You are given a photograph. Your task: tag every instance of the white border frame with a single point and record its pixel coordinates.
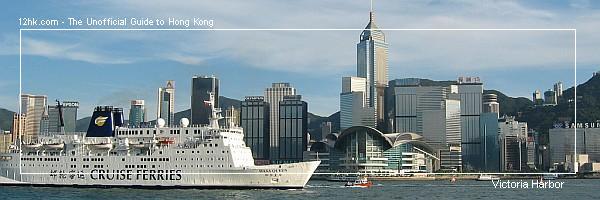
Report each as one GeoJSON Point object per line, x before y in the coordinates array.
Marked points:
{"type": "Point", "coordinates": [326, 29]}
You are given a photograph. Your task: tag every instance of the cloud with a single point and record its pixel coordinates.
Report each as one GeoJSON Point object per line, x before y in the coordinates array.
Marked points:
{"type": "Point", "coordinates": [334, 51]}
{"type": "Point", "coordinates": [184, 59]}
{"type": "Point", "coordinates": [579, 4]}
{"type": "Point", "coordinates": [38, 47]}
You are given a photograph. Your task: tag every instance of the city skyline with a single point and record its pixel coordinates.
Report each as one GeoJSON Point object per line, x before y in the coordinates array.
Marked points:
{"type": "Point", "coordinates": [407, 59]}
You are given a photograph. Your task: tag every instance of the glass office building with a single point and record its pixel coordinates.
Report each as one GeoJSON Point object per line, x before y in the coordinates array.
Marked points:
{"type": "Point", "coordinates": [202, 86]}
{"type": "Point", "coordinates": [254, 119]}
{"type": "Point", "coordinates": [293, 129]}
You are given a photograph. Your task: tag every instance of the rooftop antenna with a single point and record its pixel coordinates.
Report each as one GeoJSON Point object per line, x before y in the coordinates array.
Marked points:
{"type": "Point", "coordinates": [60, 116]}
{"type": "Point", "coordinates": [371, 6]}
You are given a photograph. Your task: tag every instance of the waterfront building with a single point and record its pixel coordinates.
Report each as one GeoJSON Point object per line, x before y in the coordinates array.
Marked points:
{"type": "Point", "coordinates": [33, 106]}
{"type": "Point", "coordinates": [69, 117]}
{"type": "Point", "coordinates": [367, 150]}
{"type": "Point", "coordinates": [273, 96]}
{"type": "Point", "coordinates": [166, 103]}
{"type": "Point", "coordinates": [470, 91]}
{"type": "Point", "coordinates": [354, 110]}
{"type": "Point", "coordinates": [562, 143]}
{"type": "Point", "coordinates": [137, 113]}
{"type": "Point", "coordinates": [531, 150]}
{"type": "Point", "coordinates": [293, 130]}
{"type": "Point", "coordinates": [490, 142]}
{"type": "Point", "coordinates": [432, 111]}
{"type": "Point", "coordinates": [513, 144]}
{"type": "Point", "coordinates": [372, 64]}
{"type": "Point", "coordinates": [550, 98]}
{"type": "Point", "coordinates": [254, 119]}
{"type": "Point", "coordinates": [450, 159]}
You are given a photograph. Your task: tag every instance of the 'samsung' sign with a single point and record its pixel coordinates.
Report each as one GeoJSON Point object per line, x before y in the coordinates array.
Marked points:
{"type": "Point", "coordinates": [567, 124]}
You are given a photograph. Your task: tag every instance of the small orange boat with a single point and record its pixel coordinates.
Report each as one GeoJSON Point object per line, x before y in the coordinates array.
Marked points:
{"type": "Point", "coordinates": [361, 182]}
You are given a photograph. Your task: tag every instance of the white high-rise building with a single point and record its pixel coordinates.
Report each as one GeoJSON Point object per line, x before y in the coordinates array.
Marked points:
{"type": "Point", "coordinates": [33, 106]}
{"type": "Point", "coordinates": [354, 110]}
{"type": "Point", "coordinates": [166, 103]}
{"type": "Point", "coordinates": [490, 104]}
{"type": "Point", "coordinates": [558, 88]}
{"type": "Point", "coordinates": [273, 96]}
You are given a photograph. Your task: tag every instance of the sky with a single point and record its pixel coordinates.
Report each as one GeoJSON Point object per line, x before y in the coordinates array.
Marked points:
{"type": "Point", "coordinates": [114, 67]}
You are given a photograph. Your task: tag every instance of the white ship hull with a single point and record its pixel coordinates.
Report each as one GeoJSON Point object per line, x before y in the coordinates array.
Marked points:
{"type": "Point", "coordinates": [283, 176]}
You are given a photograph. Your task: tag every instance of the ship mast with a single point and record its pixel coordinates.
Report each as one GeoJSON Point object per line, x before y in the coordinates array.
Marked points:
{"type": "Point", "coordinates": [215, 112]}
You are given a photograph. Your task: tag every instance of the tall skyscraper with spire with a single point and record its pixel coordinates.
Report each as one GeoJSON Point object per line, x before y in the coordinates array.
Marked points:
{"type": "Point", "coordinates": [372, 64]}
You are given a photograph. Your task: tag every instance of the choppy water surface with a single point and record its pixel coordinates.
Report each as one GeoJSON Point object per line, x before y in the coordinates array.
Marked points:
{"type": "Point", "coordinates": [572, 189]}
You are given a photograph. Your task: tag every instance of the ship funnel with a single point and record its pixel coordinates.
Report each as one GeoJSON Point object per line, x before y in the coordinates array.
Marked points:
{"type": "Point", "coordinates": [102, 123]}
{"type": "Point", "coordinates": [118, 116]}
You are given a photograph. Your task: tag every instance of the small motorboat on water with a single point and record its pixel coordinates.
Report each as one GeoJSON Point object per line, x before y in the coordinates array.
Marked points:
{"type": "Point", "coordinates": [485, 177]}
{"type": "Point", "coordinates": [361, 182]}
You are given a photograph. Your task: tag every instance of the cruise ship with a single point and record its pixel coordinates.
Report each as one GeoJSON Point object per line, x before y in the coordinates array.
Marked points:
{"type": "Point", "coordinates": [183, 156]}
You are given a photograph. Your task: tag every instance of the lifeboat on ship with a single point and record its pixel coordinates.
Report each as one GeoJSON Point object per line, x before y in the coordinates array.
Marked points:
{"type": "Point", "coordinates": [139, 145]}
{"type": "Point", "coordinates": [55, 145]}
{"type": "Point", "coordinates": [166, 141]}
{"type": "Point", "coordinates": [32, 145]}
{"type": "Point", "coordinates": [102, 145]}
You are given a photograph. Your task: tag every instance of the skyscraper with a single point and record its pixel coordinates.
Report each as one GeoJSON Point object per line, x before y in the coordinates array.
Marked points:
{"type": "Point", "coordinates": [490, 104]}
{"type": "Point", "coordinates": [202, 86]}
{"type": "Point", "coordinates": [273, 96]}
{"type": "Point", "coordinates": [293, 129]}
{"type": "Point", "coordinates": [430, 111]}
{"type": "Point", "coordinates": [513, 144]}
{"type": "Point", "coordinates": [558, 88]}
{"type": "Point", "coordinates": [537, 99]}
{"type": "Point", "coordinates": [354, 110]}
{"type": "Point", "coordinates": [69, 116]}
{"type": "Point", "coordinates": [137, 113]}
{"type": "Point", "coordinates": [254, 119]}
{"type": "Point", "coordinates": [18, 126]}
{"type": "Point", "coordinates": [166, 103]}
{"type": "Point", "coordinates": [325, 130]}
{"type": "Point", "coordinates": [33, 106]}
{"type": "Point", "coordinates": [372, 64]}
{"type": "Point", "coordinates": [550, 98]}
{"type": "Point", "coordinates": [470, 91]}
{"type": "Point", "coordinates": [490, 142]}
